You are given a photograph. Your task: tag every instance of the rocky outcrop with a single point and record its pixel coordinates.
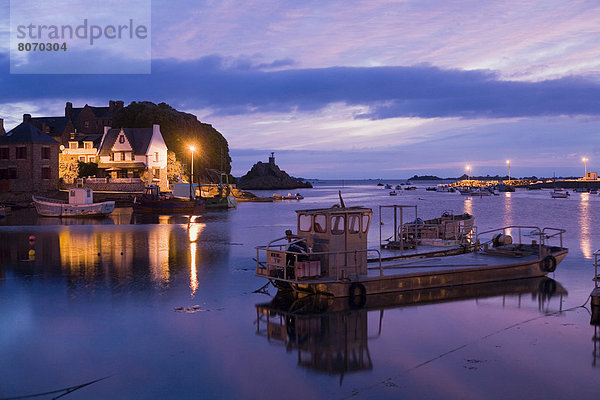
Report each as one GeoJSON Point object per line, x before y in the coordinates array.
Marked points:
{"type": "Point", "coordinates": [268, 176]}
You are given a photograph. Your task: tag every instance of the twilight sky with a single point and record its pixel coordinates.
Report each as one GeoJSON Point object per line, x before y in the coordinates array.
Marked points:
{"type": "Point", "coordinates": [361, 89]}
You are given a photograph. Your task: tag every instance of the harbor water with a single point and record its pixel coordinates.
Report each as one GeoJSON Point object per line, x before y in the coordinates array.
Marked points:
{"type": "Point", "coordinates": [168, 307]}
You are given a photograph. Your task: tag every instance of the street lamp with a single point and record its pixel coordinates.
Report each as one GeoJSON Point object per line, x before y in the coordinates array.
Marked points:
{"type": "Point", "coordinates": [584, 159]}
{"type": "Point", "coordinates": [508, 162]}
{"type": "Point", "coordinates": [192, 149]}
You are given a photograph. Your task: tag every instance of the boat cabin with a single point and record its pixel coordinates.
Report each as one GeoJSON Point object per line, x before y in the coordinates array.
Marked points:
{"type": "Point", "coordinates": [337, 237]}
{"type": "Point", "coordinates": [78, 196]}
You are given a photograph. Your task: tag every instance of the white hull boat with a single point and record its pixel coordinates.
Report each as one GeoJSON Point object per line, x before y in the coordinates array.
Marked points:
{"type": "Point", "coordinates": [80, 205]}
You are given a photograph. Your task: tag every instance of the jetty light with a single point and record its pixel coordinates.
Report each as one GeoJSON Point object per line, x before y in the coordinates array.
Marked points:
{"type": "Point", "coordinates": [469, 171]}
{"type": "Point", "coordinates": [585, 160]}
{"type": "Point", "coordinates": [508, 162]}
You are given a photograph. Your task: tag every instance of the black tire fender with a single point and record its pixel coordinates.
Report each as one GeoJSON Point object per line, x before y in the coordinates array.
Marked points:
{"type": "Point", "coordinates": [548, 264]}
{"type": "Point", "coordinates": [357, 295]}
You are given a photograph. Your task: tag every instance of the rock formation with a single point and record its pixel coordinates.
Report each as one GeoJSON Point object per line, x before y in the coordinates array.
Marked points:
{"type": "Point", "coordinates": [268, 176]}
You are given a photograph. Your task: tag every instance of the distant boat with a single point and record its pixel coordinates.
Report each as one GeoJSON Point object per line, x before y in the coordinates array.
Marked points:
{"type": "Point", "coordinates": [289, 196]}
{"type": "Point", "coordinates": [431, 189]}
{"type": "Point", "coordinates": [380, 184]}
{"type": "Point", "coordinates": [393, 193]}
{"type": "Point", "coordinates": [398, 187]}
{"type": "Point", "coordinates": [81, 204]}
{"type": "Point", "coordinates": [410, 188]}
{"type": "Point", "coordinates": [559, 194]}
{"type": "Point", "coordinates": [581, 190]}
{"type": "Point", "coordinates": [388, 186]}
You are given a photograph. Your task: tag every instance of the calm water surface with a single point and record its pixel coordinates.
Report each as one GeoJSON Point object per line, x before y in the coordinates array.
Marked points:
{"type": "Point", "coordinates": [164, 309]}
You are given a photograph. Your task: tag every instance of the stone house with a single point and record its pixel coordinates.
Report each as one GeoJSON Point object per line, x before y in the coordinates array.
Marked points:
{"type": "Point", "coordinates": [84, 148]}
{"type": "Point", "coordinates": [92, 120]}
{"type": "Point", "coordinates": [130, 154]}
{"type": "Point", "coordinates": [28, 159]}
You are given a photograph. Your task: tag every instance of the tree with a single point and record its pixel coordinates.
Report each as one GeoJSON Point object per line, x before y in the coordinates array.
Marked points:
{"type": "Point", "coordinates": [173, 167]}
{"type": "Point", "coordinates": [87, 169]}
{"type": "Point", "coordinates": [68, 168]}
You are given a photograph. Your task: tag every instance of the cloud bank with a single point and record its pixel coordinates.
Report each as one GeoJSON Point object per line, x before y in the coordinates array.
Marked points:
{"type": "Point", "coordinates": [234, 86]}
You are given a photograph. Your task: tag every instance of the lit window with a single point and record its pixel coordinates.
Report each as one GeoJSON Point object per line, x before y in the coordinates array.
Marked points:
{"type": "Point", "coordinates": [156, 156]}
{"type": "Point", "coordinates": [87, 145]}
{"type": "Point", "coordinates": [72, 145]}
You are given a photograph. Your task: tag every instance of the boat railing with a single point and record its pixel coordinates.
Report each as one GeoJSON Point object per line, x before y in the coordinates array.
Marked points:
{"type": "Point", "coordinates": [339, 270]}
{"type": "Point", "coordinates": [447, 230]}
{"type": "Point", "coordinates": [543, 235]}
{"type": "Point", "coordinates": [596, 264]}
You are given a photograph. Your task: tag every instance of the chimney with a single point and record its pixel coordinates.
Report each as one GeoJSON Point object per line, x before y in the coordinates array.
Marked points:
{"type": "Point", "coordinates": [68, 109]}
{"type": "Point", "coordinates": [26, 117]}
{"type": "Point", "coordinates": [2, 131]}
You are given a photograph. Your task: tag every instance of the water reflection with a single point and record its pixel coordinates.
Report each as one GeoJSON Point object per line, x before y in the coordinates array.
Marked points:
{"type": "Point", "coordinates": [508, 209]}
{"type": "Point", "coordinates": [468, 205]}
{"type": "Point", "coordinates": [330, 336]}
{"type": "Point", "coordinates": [117, 255]}
{"type": "Point", "coordinates": [584, 223]}
{"type": "Point", "coordinates": [194, 229]}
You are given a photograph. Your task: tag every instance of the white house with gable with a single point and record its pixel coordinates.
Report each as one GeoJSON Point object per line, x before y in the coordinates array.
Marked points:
{"type": "Point", "coordinates": [128, 153]}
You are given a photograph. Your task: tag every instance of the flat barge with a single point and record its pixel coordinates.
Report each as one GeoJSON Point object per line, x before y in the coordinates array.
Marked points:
{"type": "Point", "coordinates": [328, 255]}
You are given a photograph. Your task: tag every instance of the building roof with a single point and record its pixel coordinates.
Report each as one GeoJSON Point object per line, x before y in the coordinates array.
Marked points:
{"type": "Point", "coordinates": [139, 138]}
{"type": "Point", "coordinates": [57, 125]}
{"type": "Point", "coordinates": [26, 132]}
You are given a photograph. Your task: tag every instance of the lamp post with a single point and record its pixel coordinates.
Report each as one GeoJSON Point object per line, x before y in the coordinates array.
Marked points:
{"type": "Point", "coordinates": [508, 162]}
{"type": "Point", "coordinates": [192, 149]}
{"type": "Point", "coordinates": [584, 159]}
{"type": "Point", "coordinates": [469, 171]}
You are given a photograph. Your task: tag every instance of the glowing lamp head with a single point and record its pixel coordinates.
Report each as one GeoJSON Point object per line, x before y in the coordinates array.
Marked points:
{"type": "Point", "coordinates": [192, 148]}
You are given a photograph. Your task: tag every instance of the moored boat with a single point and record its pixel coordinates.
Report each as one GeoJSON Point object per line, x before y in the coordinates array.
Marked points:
{"type": "Point", "coordinates": [155, 202]}
{"type": "Point", "coordinates": [288, 196]}
{"type": "Point", "coordinates": [393, 193]}
{"type": "Point", "coordinates": [328, 255]}
{"type": "Point", "coordinates": [559, 194]}
{"type": "Point", "coordinates": [81, 204]}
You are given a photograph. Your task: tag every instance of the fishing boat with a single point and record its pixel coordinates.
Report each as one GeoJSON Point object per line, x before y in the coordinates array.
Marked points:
{"type": "Point", "coordinates": [153, 201]}
{"type": "Point", "coordinates": [288, 196]}
{"type": "Point", "coordinates": [80, 204]}
{"type": "Point", "coordinates": [328, 255]}
{"type": "Point", "coordinates": [387, 186]}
